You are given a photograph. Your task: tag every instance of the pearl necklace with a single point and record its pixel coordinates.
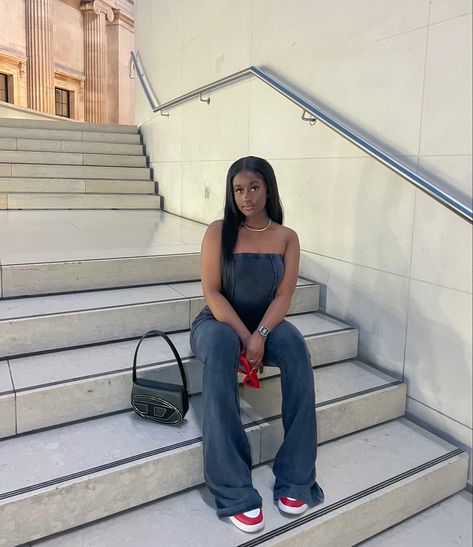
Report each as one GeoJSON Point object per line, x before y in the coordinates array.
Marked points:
{"type": "Point", "coordinates": [257, 229]}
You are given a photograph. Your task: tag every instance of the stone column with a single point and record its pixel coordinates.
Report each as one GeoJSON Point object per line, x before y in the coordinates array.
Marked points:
{"type": "Point", "coordinates": [95, 59]}
{"type": "Point", "coordinates": [40, 57]}
{"type": "Point", "coordinates": [120, 101]}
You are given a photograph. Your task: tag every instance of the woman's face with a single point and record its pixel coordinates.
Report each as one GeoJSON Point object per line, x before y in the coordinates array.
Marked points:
{"type": "Point", "coordinates": [250, 193]}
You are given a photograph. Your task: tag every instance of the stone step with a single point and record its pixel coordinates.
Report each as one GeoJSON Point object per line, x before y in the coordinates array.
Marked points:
{"type": "Point", "coordinates": [134, 461]}
{"type": "Point", "coordinates": [52, 145]}
{"type": "Point", "coordinates": [447, 523]}
{"type": "Point", "coordinates": [54, 125]}
{"type": "Point", "coordinates": [64, 386]}
{"type": "Point", "coordinates": [372, 480]}
{"type": "Point", "coordinates": [71, 158]}
{"type": "Point", "coordinates": [33, 278]}
{"type": "Point", "coordinates": [42, 323]}
{"type": "Point", "coordinates": [68, 135]}
{"type": "Point", "coordinates": [51, 251]}
{"type": "Point", "coordinates": [43, 185]}
{"type": "Point", "coordinates": [80, 201]}
{"type": "Point", "coordinates": [74, 171]}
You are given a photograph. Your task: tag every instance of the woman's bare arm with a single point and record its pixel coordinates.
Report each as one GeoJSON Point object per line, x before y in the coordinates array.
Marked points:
{"type": "Point", "coordinates": [210, 271]}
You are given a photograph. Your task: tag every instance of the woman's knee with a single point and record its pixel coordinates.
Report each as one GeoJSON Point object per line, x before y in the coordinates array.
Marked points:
{"type": "Point", "coordinates": [213, 340]}
{"type": "Point", "coordinates": [287, 341]}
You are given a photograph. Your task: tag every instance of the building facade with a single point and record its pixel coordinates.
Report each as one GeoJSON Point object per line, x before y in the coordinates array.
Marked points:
{"type": "Point", "coordinates": [68, 58]}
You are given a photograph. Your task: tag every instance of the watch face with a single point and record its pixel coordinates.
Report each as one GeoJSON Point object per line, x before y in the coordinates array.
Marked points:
{"type": "Point", "coordinates": [264, 331]}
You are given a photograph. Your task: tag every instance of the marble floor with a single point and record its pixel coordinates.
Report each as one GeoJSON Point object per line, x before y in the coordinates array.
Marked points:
{"type": "Point", "coordinates": [52, 236]}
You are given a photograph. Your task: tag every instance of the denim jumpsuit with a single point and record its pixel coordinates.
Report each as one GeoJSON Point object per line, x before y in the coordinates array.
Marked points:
{"type": "Point", "coordinates": [254, 279]}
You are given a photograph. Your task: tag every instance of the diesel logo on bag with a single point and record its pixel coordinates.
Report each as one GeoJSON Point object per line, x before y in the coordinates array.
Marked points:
{"type": "Point", "coordinates": [160, 401]}
{"type": "Point", "coordinates": [154, 407]}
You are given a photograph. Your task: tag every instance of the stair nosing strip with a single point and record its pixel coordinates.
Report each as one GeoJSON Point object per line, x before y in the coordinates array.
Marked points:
{"type": "Point", "coordinates": [129, 338]}
{"type": "Point", "coordinates": [80, 260]}
{"type": "Point", "coordinates": [119, 306]}
{"type": "Point", "coordinates": [66, 179]}
{"type": "Point", "coordinates": [120, 462]}
{"type": "Point", "coordinates": [140, 367]}
{"type": "Point", "coordinates": [387, 385]}
{"type": "Point", "coordinates": [80, 346]}
{"type": "Point", "coordinates": [55, 130]}
{"type": "Point", "coordinates": [79, 195]}
{"type": "Point", "coordinates": [99, 468]}
{"type": "Point", "coordinates": [68, 312]}
{"type": "Point", "coordinates": [57, 426]}
{"type": "Point", "coordinates": [103, 374]}
{"type": "Point", "coordinates": [114, 288]}
{"type": "Point", "coordinates": [70, 152]}
{"type": "Point", "coordinates": [75, 152]}
{"type": "Point", "coordinates": [349, 499]}
{"type": "Point", "coordinates": [144, 367]}
{"type": "Point", "coordinates": [12, 163]}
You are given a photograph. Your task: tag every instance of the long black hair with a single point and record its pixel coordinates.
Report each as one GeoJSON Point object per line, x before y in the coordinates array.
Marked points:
{"type": "Point", "coordinates": [233, 216]}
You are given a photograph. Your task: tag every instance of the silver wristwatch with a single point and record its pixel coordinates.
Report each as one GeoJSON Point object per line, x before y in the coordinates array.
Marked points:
{"type": "Point", "coordinates": [264, 331]}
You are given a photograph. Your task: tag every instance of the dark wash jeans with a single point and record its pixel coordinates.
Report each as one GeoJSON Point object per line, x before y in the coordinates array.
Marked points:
{"type": "Point", "coordinates": [227, 457]}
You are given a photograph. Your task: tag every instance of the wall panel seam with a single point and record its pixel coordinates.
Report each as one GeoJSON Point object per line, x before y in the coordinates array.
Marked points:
{"type": "Point", "coordinates": [439, 412]}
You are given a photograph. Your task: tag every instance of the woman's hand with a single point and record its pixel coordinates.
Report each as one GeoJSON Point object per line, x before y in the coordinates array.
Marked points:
{"type": "Point", "coordinates": [254, 351]}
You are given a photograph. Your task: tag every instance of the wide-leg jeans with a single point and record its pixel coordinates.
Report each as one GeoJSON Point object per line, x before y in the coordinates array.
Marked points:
{"type": "Point", "coordinates": [227, 456]}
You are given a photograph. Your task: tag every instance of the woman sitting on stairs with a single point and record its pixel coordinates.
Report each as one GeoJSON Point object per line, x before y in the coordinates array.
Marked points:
{"type": "Point", "coordinates": [249, 269]}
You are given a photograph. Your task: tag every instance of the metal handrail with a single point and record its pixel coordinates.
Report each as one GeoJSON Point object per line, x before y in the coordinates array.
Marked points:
{"type": "Point", "coordinates": [315, 113]}
{"type": "Point", "coordinates": [134, 61]}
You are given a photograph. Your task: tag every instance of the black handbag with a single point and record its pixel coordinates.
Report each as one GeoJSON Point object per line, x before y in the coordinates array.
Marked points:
{"type": "Point", "coordinates": [160, 401]}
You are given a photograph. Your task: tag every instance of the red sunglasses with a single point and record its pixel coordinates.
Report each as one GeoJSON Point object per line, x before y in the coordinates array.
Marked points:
{"type": "Point", "coordinates": [251, 376]}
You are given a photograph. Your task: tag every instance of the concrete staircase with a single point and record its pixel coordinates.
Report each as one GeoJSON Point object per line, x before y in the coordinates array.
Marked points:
{"type": "Point", "coordinates": [77, 465]}
{"type": "Point", "coordinates": [71, 165]}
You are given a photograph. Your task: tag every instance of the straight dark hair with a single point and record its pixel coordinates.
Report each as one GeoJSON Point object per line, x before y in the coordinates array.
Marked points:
{"type": "Point", "coordinates": [233, 217]}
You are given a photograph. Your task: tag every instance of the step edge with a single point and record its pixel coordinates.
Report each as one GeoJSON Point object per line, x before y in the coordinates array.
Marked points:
{"type": "Point", "coordinates": [143, 367]}
{"type": "Point", "coordinates": [143, 456]}
{"type": "Point", "coordinates": [413, 474]}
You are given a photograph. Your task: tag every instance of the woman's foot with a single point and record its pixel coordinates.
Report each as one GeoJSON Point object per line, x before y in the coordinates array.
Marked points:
{"type": "Point", "coordinates": [292, 506]}
{"type": "Point", "coordinates": [250, 521]}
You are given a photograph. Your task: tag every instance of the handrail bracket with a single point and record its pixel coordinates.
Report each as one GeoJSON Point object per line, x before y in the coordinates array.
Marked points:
{"type": "Point", "coordinates": [311, 119]}
{"type": "Point", "coordinates": [207, 100]}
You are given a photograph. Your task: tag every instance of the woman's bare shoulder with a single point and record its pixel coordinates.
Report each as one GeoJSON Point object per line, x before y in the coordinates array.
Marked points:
{"type": "Point", "coordinates": [285, 229]}
{"type": "Point", "coordinates": [286, 232]}
{"type": "Point", "coordinates": [216, 225]}
{"type": "Point", "coordinates": [214, 230]}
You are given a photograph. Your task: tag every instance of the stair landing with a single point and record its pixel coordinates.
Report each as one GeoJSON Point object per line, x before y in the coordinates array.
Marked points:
{"type": "Point", "coordinates": [61, 251]}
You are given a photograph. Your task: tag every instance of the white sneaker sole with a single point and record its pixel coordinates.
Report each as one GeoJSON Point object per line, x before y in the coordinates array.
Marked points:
{"type": "Point", "coordinates": [292, 510]}
{"type": "Point", "coordinates": [247, 527]}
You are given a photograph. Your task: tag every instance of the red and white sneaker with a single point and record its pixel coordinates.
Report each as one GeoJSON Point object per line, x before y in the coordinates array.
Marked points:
{"type": "Point", "coordinates": [251, 521]}
{"type": "Point", "coordinates": [292, 506]}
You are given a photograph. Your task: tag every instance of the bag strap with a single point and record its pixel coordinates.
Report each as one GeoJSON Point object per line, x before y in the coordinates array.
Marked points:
{"type": "Point", "coordinates": [173, 348]}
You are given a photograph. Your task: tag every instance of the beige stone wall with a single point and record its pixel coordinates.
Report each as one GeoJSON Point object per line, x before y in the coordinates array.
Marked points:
{"type": "Point", "coordinates": [121, 37]}
{"type": "Point", "coordinates": [127, 92]}
{"type": "Point", "coordinates": [13, 48]}
{"type": "Point", "coordinates": [67, 57]}
{"type": "Point", "coordinates": [68, 28]}
{"type": "Point", "coordinates": [12, 26]}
